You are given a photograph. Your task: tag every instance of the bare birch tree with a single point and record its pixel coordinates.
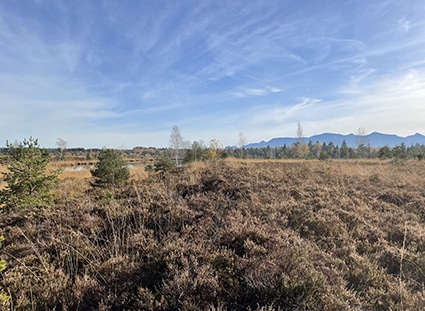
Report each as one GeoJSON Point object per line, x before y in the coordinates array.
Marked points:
{"type": "Point", "coordinates": [242, 143]}
{"type": "Point", "coordinates": [197, 147]}
{"type": "Point", "coordinates": [300, 148]}
{"type": "Point", "coordinates": [361, 140]}
{"type": "Point", "coordinates": [176, 143]}
{"type": "Point", "coordinates": [62, 145]}
{"type": "Point", "coordinates": [300, 134]}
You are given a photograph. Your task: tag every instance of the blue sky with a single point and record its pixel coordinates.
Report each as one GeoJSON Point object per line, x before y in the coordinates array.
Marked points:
{"type": "Point", "coordinates": [121, 73]}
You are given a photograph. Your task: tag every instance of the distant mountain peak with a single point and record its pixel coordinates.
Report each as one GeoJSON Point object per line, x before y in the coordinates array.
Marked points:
{"type": "Point", "coordinates": [375, 139]}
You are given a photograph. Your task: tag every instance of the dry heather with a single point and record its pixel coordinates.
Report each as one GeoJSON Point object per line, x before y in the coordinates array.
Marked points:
{"type": "Point", "coordinates": [229, 236]}
{"type": "Point", "coordinates": [2, 170]}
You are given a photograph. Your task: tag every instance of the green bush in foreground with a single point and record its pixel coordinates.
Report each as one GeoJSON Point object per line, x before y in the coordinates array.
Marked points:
{"type": "Point", "coordinates": [28, 182]}
{"type": "Point", "coordinates": [111, 170]}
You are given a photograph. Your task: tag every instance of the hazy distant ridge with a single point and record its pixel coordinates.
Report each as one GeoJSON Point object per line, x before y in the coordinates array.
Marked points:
{"type": "Point", "coordinates": [375, 139]}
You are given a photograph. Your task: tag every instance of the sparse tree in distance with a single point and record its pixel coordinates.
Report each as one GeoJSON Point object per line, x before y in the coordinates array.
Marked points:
{"type": "Point", "coordinates": [216, 150]}
{"type": "Point", "coordinates": [62, 145]}
{"type": "Point", "coordinates": [197, 147]}
{"type": "Point", "coordinates": [300, 134]}
{"type": "Point", "coordinates": [28, 182]}
{"type": "Point", "coordinates": [111, 170]}
{"type": "Point", "coordinates": [323, 156]}
{"type": "Point", "coordinates": [242, 143]}
{"type": "Point", "coordinates": [300, 149]}
{"type": "Point", "coordinates": [187, 147]}
{"type": "Point", "coordinates": [385, 152]}
{"type": "Point", "coordinates": [317, 149]}
{"type": "Point", "coordinates": [195, 152]}
{"type": "Point", "coordinates": [361, 141]}
{"type": "Point", "coordinates": [176, 143]}
{"type": "Point", "coordinates": [400, 152]}
{"type": "Point", "coordinates": [344, 153]}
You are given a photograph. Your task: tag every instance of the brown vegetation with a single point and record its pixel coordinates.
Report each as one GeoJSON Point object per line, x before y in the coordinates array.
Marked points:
{"type": "Point", "coordinates": [259, 235]}
{"type": "Point", "coordinates": [2, 170]}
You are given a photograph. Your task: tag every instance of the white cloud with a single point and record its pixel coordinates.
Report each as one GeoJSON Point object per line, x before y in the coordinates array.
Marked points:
{"type": "Point", "coordinates": [404, 25]}
{"type": "Point", "coordinates": [120, 69]}
{"type": "Point", "coordinates": [390, 104]}
{"type": "Point", "coordinates": [353, 86]}
{"type": "Point", "coordinates": [323, 52]}
{"type": "Point", "coordinates": [266, 116]}
{"type": "Point", "coordinates": [245, 92]}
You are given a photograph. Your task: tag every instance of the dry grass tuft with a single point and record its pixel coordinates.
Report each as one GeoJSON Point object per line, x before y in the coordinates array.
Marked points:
{"type": "Point", "coordinates": [3, 169]}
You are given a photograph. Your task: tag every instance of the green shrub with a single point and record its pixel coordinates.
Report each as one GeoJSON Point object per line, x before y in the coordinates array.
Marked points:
{"type": "Point", "coordinates": [323, 156]}
{"type": "Point", "coordinates": [164, 164]}
{"type": "Point", "coordinates": [28, 182]}
{"type": "Point", "coordinates": [111, 170]}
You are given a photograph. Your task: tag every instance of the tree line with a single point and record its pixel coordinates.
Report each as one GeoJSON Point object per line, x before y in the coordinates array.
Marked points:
{"type": "Point", "coordinates": [181, 151]}
{"type": "Point", "coordinates": [323, 151]}
{"type": "Point", "coordinates": [185, 152]}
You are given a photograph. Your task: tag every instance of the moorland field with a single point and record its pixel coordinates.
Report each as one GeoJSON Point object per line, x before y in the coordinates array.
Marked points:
{"type": "Point", "coordinates": [226, 235]}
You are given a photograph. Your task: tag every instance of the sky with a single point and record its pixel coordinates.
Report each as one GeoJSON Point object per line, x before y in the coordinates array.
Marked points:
{"type": "Point", "coordinates": [122, 73]}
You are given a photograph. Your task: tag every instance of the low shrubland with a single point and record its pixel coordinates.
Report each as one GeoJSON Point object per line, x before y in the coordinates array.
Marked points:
{"type": "Point", "coordinates": [247, 235]}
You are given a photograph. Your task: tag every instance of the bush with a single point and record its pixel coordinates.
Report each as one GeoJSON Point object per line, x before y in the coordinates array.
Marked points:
{"type": "Point", "coordinates": [28, 182]}
{"type": "Point", "coordinates": [323, 156]}
{"type": "Point", "coordinates": [111, 170]}
{"type": "Point", "coordinates": [164, 164]}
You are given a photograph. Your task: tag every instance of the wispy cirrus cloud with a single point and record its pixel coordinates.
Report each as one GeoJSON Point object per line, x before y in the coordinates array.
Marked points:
{"type": "Point", "coordinates": [404, 24]}
{"type": "Point", "coordinates": [122, 71]}
{"type": "Point", "coordinates": [245, 92]}
{"type": "Point", "coordinates": [353, 86]}
{"type": "Point", "coordinates": [377, 108]}
{"type": "Point", "coordinates": [279, 114]}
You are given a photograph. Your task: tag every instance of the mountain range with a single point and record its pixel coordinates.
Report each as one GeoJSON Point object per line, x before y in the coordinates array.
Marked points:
{"type": "Point", "coordinates": [375, 139]}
